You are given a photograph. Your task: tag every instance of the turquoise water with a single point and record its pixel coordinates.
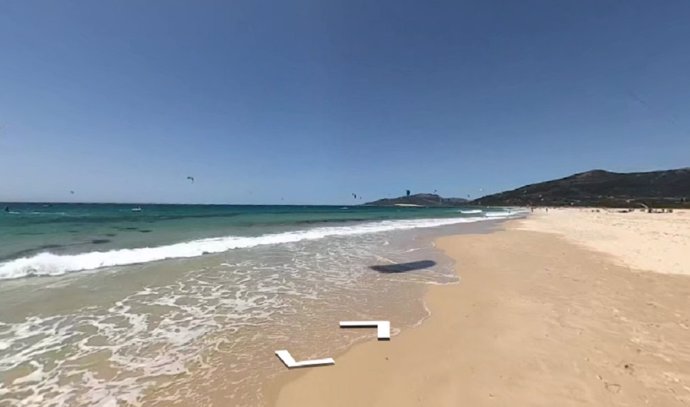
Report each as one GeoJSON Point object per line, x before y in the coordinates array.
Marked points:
{"type": "Point", "coordinates": [177, 305]}
{"type": "Point", "coordinates": [29, 230]}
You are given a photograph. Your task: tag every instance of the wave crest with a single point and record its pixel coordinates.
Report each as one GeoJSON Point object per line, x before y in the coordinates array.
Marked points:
{"type": "Point", "coordinates": [49, 264]}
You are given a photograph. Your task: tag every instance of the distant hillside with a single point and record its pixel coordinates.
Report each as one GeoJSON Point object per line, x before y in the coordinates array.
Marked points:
{"type": "Point", "coordinates": [669, 188]}
{"type": "Point", "coordinates": [419, 200]}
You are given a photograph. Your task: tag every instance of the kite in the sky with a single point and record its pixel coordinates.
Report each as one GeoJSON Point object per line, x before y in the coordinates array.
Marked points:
{"type": "Point", "coordinates": [354, 195]}
{"type": "Point", "coordinates": [191, 179]}
{"type": "Point", "coordinates": [71, 192]}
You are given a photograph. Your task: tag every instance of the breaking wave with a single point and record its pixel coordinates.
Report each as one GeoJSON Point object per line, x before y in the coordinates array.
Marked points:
{"type": "Point", "coordinates": [49, 264]}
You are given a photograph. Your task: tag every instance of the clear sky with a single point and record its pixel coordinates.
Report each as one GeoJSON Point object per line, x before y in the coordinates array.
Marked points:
{"type": "Point", "coordinates": [312, 100]}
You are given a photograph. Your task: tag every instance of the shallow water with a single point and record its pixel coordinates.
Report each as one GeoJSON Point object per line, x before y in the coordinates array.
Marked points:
{"type": "Point", "coordinates": [202, 330]}
{"type": "Point", "coordinates": [54, 239]}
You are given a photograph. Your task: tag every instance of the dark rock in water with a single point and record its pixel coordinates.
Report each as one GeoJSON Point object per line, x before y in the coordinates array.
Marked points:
{"type": "Point", "coordinates": [145, 230]}
{"type": "Point", "coordinates": [100, 241]}
{"type": "Point", "coordinates": [669, 188]}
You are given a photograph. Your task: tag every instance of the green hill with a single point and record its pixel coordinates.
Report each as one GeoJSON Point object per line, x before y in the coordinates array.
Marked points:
{"type": "Point", "coordinates": [670, 188]}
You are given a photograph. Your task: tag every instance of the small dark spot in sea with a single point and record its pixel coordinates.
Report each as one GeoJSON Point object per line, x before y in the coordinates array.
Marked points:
{"type": "Point", "coordinates": [50, 246]}
{"type": "Point", "coordinates": [145, 230]}
{"type": "Point", "coordinates": [100, 241]}
{"type": "Point", "coordinates": [110, 234]}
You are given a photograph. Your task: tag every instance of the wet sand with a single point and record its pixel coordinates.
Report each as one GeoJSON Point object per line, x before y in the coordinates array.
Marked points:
{"type": "Point", "coordinates": [537, 320]}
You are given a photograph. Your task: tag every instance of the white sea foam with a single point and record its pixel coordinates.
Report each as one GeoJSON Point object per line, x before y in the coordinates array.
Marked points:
{"type": "Point", "coordinates": [49, 264]}
{"type": "Point", "coordinates": [505, 214]}
{"type": "Point", "coordinates": [469, 211]}
{"type": "Point", "coordinates": [210, 327]}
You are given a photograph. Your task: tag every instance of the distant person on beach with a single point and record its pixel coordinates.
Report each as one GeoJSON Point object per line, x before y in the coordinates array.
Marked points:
{"type": "Point", "coordinates": [7, 208]}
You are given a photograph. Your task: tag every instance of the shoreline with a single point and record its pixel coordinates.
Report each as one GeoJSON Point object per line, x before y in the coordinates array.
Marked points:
{"type": "Point", "coordinates": [536, 320]}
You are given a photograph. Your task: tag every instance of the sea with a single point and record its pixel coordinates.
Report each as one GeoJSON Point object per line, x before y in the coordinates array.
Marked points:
{"type": "Point", "coordinates": [184, 305]}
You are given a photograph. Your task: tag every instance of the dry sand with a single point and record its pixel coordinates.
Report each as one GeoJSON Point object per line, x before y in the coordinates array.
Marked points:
{"type": "Point", "coordinates": [535, 321]}
{"type": "Point", "coordinates": [657, 242]}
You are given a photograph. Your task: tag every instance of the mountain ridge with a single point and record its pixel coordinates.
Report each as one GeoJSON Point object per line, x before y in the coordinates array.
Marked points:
{"type": "Point", "coordinates": [422, 199]}
{"type": "Point", "coordinates": [665, 188]}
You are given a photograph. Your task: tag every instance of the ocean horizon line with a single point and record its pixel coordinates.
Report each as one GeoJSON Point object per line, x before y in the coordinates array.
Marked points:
{"type": "Point", "coordinates": [193, 204]}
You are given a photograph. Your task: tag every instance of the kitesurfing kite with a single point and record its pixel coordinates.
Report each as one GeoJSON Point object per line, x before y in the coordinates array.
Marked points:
{"type": "Point", "coordinates": [408, 192]}
{"type": "Point", "coordinates": [191, 179]}
{"type": "Point", "coordinates": [354, 195]}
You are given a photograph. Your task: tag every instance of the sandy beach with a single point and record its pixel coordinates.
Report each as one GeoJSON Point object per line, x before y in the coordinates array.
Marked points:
{"type": "Point", "coordinates": [570, 307]}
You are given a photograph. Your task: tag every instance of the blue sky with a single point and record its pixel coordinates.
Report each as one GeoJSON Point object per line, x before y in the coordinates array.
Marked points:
{"type": "Point", "coordinates": [313, 100]}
